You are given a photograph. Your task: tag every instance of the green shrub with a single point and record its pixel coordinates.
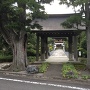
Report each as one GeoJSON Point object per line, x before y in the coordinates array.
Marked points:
{"type": "Point", "coordinates": [69, 71]}
{"type": "Point", "coordinates": [43, 67]}
{"type": "Point", "coordinates": [8, 58]}
{"type": "Point", "coordinates": [83, 52]}
{"type": "Point", "coordinates": [85, 77]}
{"type": "Point", "coordinates": [32, 59]}
{"type": "Point", "coordinates": [31, 52]}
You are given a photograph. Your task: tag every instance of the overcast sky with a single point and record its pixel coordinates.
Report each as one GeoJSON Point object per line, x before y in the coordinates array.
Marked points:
{"type": "Point", "coordinates": [55, 8]}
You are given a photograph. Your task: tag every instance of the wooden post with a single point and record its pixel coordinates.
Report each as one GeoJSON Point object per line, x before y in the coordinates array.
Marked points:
{"type": "Point", "coordinates": [46, 48]}
{"type": "Point", "coordinates": [37, 48]}
{"type": "Point", "coordinates": [42, 49]}
{"type": "Point", "coordinates": [75, 48]}
{"type": "Point", "coordinates": [70, 47]}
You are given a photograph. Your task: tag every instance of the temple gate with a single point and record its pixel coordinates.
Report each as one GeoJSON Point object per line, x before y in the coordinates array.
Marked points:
{"type": "Point", "coordinates": [52, 28]}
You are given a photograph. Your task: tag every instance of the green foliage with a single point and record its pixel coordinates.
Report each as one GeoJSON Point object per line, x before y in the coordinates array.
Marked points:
{"type": "Point", "coordinates": [82, 44]}
{"type": "Point", "coordinates": [6, 58]}
{"type": "Point", "coordinates": [50, 40]}
{"type": "Point", "coordinates": [77, 20]}
{"type": "Point", "coordinates": [15, 22]}
{"type": "Point", "coordinates": [81, 10]}
{"type": "Point", "coordinates": [79, 66]}
{"type": "Point", "coordinates": [74, 3]}
{"type": "Point", "coordinates": [66, 44]}
{"type": "Point", "coordinates": [4, 47]}
{"type": "Point", "coordinates": [82, 40]}
{"type": "Point", "coordinates": [83, 60]}
{"type": "Point", "coordinates": [31, 52]}
{"type": "Point", "coordinates": [45, 1]}
{"type": "Point", "coordinates": [83, 52]}
{"type": "Point", "coordinates": [31, 47]}
{"type": "Point", "coordinates": [37, 9]}
{"type": "Point", "coordinates": [15, 18]}
{"type": "Point", "coordinates": [85, 77]}
{"type": "Point", "coordinates": [43, 67]}
{"type": "Point", "coordinates": [72, 21]}
{"type": "Point", "coordinates": [50, 47]}
{"type": "Point", "coordinates": [50, 43]}
{"type": "Point", "coordinates": [31, 59]}
{"type": "Point", "coordinates": [69, 71]}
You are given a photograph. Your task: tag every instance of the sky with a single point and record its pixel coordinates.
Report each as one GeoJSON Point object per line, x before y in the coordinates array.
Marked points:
{"type": "Point", "coordinates": [55, 8]}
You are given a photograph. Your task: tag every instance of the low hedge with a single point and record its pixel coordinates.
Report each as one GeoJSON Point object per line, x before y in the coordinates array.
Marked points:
{"type": "Point", "coordinates": [6, 58]}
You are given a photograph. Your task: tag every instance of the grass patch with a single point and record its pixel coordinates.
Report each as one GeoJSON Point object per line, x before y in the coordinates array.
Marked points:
{"type": "Point", "coordinates": [85, 77]}
{"type": "Point", "coordinates": [69, 71]}
{"type": "Point", "coordinates": [74, 70]}
{"type": "Point", "coordinates": [43, 67]}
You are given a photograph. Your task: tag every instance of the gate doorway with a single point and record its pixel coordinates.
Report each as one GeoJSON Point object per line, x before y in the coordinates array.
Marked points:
{"type": "Point", "coordinates": [52, 28]}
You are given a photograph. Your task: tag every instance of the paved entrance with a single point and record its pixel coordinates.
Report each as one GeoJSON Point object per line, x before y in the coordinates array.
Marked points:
{"type": "Point", "coordinates": [58, 56]}
{"type": "Point", "coordinates": [56, 59]}
{"type": "Point", "coordinates": [54, 71]}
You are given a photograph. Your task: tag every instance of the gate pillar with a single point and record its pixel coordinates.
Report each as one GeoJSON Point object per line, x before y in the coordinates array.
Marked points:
{"type": "Point", "coordinates": [75, 48]}
{"type": "Point", "coordinates": [42, 48]}
{"type": "Point", "coordinates": [70, 47]}
{"type": "Point", "coordinates": [37, 48]}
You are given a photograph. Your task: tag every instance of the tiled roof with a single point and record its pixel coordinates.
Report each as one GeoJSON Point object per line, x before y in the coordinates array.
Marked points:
{"type": "Point", "coordinates": [54, 22]}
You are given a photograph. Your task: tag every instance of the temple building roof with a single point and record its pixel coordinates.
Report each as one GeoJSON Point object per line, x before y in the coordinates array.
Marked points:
{"type": "Point", "coordinates": [53, 22]}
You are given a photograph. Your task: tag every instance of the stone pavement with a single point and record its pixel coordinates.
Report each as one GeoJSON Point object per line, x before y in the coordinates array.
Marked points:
{"type": "Point", "coordinates": [58, 56]}
{"type": "Point", "coordinates": [56, 59]}
{"type": "Point", "coordinates": [53, 71]}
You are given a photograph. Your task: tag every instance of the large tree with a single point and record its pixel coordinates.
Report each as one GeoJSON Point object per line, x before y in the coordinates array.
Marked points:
{"type": "Point", "coordinates": [14, 24]}
{"type": "Point", "coordinates": [83, 16]}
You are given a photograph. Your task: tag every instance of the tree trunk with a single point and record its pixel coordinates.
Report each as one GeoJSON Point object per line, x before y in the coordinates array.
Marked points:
{"type": "Point", "coordinates": [16, 38]}
{"type": "Point", "coordinates": [87, 16]}
{"type": "Point", "coordinates": [19, 54]}
{"type": "Point", "coordinates": [88, 48]}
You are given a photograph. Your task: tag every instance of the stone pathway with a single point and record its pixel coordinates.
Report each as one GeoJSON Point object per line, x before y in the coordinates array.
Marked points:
{"type": "Point", "coordinates": [58, 56]}
{"type": "Point", "coordinates": [54, 71]}
{"type": "Point", "coordinates": [56, 59]}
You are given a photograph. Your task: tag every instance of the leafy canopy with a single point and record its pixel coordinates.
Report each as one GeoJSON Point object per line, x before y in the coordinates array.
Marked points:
{"type": "Point", "coordinates": [12, 10]}
{"type": "Point", "coordinates": [76, 19]}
